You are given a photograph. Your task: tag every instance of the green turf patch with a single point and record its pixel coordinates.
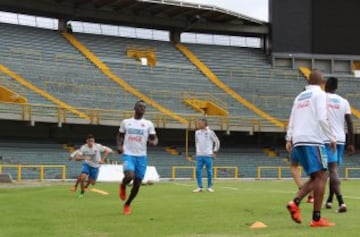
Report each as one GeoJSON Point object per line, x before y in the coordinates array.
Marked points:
{"type": "Point", "coordinates": [169, 209]}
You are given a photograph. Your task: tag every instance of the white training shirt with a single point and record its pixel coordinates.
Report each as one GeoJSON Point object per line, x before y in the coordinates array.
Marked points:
{"type": "Point", "coordinates": [308, 123]}
{"type": "Point", "coordinates": [136, 132]}
{"type": "Point", "coordinates": [206, 142]}
{"type": "Point", "coordinates": [94, 153]}
{"type": "Point", "coordinates": [338, 107]}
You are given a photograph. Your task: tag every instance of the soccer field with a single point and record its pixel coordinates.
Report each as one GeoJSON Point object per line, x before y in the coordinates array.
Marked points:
{"type": "Point", "coordinates": [168, 209]}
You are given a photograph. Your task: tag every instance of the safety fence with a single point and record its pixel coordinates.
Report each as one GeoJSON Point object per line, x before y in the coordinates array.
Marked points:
{"type": "Point", "coordinates": [38, 168]}
{"type": "Point", "coordinates": [231, 171]}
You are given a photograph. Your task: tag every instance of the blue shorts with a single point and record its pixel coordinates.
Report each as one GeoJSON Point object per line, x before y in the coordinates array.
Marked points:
{"type": "Point", "coordinates": [91, 171]}
{"type": "Point", "coordinates": [336, 156]}
{"type": "Point", "coordinates": [311, 158]}
{"type": "Point", "coordinates": [136, 164]}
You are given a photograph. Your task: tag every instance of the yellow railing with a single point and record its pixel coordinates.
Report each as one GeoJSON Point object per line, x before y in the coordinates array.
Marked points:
{"type": "Point", "coordinates": [278, 168]}
{"type": "Point", "coordinates": [213, 78]}
{"type": "Point", "coordinates": [305, 71]}
{"type": "Point", "coordinates": [193, 169]}
{"type": "Point", "coordinates": [347, 171]}
{"type": "Point", "coordinates": [8, 95]}
{"type": "Point", "coordinates": [174, 168]}
{"type": "Point", "coordinates": [52, 113]}
{"type": "Point", "coordinates": [41, 168]}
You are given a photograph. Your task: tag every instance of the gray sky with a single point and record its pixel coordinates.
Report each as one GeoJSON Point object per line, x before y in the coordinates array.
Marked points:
{"type": "Point", "coordinates": [254, 8]}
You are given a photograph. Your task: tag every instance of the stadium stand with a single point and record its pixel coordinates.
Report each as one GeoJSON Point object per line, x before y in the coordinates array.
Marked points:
{"type": "Point", "coordinates": [31, 96]}
{"type": "Point", "coordinates": [349, 88]}
{"type": "Point", "coordinates": [249, 73]}
{"type": "Point", "coordinates": [173, 70]}
{"type": "Point", "coordinates": [47, 60]}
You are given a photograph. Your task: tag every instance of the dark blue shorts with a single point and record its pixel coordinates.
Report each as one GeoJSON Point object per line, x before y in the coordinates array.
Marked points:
{"type": "Point", "coordinates": [136, 164]}
{"type": "Point", "coordinates": [90, 171]}
{"type": "Point", "coordinates": [311, 158]}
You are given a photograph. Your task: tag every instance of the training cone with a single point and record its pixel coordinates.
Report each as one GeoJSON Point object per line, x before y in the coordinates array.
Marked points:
{"type": "Point", "coordinates": [257, 225]}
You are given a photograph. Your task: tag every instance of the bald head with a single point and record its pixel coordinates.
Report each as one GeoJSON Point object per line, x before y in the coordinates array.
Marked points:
{"type": "Point", "coordinates": [316, 78]}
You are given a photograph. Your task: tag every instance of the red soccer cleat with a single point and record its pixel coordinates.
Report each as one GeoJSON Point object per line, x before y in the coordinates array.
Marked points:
{"type": "Point", "coordinates": [321, 223]}
{"type": "Point", "coordinates": [127, 210]}
{"type": "Point", "coordinates": [122, 192]}
{"type": "Point", "coordinates": [294, 211]}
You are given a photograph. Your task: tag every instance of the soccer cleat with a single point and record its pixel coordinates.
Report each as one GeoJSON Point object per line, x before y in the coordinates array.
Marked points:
{"type": "Point", "coordinates": [122, 192]}
{"type": "Point", "coordinates": [321, 223]}
{"type": "Point", "coordinates": [81, 195]}
{"type": "Point", "coordinates": [328, 205]}
{"type": "Point", "coordinates": [342, 208]}
{"type": "Point", "coordinates": [310, 199]}
{"type": "Point", "coordinates": [198, 190]}
{"type": "Point", "coordinates": [210, 190]}
{"type": "Point", "coordinates": [294, 211]}
{"type": "Point", "coordinates": [127, 210]}
{"type": "Point", "coordinates": [73, 189]}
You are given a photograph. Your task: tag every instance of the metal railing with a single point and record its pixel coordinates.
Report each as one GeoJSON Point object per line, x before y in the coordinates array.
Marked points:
{"type": "Point", "coordinates": [347, 171]}
{"type": "Point", "coordinates": [279, 170]}
{"type": "Point", "coordinates": [215, 171]}
{"type": "Point", "coordinates": [41, 168]}
{"type": "Point", "coordinates": [52, 113]}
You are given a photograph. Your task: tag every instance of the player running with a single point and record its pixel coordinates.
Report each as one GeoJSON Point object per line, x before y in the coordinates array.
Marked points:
{"type": "Point", "coordinates": [134, 133]}
{"type": "Point", "coordinates": [207, 145]}
{"type": "Point", "coordinates": [308, 124]}
{"type": "Point", "coordinates": [90, 153]}
{"type": "Point", "coordinates": [339, 112]}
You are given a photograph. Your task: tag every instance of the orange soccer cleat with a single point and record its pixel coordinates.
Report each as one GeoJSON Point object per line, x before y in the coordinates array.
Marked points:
{"type": "Point", "coordinates": [294, 211]}
{"type": "Point", "coordinates": [127, 210]}
{"type": "Point", "coordinates": [321, 223]}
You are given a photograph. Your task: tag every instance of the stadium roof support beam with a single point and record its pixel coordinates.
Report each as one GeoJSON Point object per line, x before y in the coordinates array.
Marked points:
{"type": "Point", "coordinates": [153, 14]}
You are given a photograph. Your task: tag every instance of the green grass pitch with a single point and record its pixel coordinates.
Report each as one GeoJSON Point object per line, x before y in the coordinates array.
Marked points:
{"type": "Point", "coordinates": [168, 209]}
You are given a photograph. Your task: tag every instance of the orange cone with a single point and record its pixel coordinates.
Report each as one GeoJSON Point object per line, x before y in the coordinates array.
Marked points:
{"type": "Point", "coordinates": [258, 225]}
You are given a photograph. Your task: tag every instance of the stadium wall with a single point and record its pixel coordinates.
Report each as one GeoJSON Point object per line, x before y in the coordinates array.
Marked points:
{"type": "Point", "coordinates": [75, 134]}
{"type": "Point", "coordinates": [317, 27]}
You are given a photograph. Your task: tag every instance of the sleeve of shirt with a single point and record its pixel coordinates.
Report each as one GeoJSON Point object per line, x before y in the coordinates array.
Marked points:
{"type": "Point", "coordinates": [347, 107]}
{"type": "Point", "coordinates": [216, 141]}
{"type": "Point", "coordinates": [81, 150]}
{"type": "Point", "coordinates": [290, 127]}
{"type": "Point", "coordinates": [151, 128]}
{"type": "Point", "coordinates": [122, 128]}
{"type": "Point", "coordinates": [104, 148]}
{"type": "Point", "coordinates": [75, 153]}
{"type": "Point", "coordinates": [322, 116]}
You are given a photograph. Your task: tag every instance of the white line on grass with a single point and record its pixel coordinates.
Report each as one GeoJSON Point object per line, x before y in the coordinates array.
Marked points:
{"type": "Point", "coordinates": [186, 185]}
{"type": "Point", "coordinates": [352, 197]}
{"type": "Point", "coordinates": [232, 188]}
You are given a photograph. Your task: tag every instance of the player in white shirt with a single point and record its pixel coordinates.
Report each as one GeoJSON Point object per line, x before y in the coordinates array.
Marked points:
{"type": "Point", "coordinates": [339, 112]}
{"type": "Point", "coordinates": [207, 145]}
{"type": "Point", "coordinates": [90, 154]}
{"type": "Point", "coordinates": [132, 139]}
{"type": "Point", "coordinates": [308, 124]}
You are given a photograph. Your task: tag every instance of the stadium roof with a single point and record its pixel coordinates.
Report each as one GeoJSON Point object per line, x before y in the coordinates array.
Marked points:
{"type": "Point", "coordinates": [154, 14]}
